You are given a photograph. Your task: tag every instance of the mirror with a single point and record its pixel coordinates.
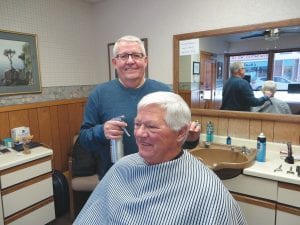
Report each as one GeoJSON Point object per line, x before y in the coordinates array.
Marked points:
{"type": "Point", "coordinates": [199, 54]}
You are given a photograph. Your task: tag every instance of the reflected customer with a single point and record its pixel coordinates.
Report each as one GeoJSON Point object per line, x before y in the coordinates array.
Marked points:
{"type": "Point", "coordinates": [237, 93]}
{"type": "Point", "coordinates": [275, 105]}
{"type": "Point", "coordinates": [120, 97]}
{"type": "Point", "coordinates": [161, 184]}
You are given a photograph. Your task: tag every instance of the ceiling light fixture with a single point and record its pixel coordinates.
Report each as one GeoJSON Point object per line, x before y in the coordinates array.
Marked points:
{"type": "Point", "coordinates": [271, 34]}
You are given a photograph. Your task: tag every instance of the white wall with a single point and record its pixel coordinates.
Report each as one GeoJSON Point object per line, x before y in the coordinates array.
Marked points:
{"type": "Point", "coordinates": [159, 20]}
{"type": "Point", "coordinates": [66, 37]}
{"type": "Point", "coordinates": [73, 35]}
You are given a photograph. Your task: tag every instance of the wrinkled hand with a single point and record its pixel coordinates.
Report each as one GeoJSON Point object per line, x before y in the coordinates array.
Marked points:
{"type": "Point", "coordinates": [113, 129]}
{"type": "Point", "coordinates": [194, 131]}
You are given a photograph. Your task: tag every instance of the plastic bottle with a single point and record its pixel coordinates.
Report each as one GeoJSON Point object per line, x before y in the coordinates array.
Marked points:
{"type": "Point", "coordinates": [209, 132]}
{"type": "Point", "coordinates": [116, 149]}
{"type": "Point", "coordinates": [261, 148]}
{"type": "Point", "coordinates": [228, 140]}
{"type": "Point", "coordinates": [116, 145]}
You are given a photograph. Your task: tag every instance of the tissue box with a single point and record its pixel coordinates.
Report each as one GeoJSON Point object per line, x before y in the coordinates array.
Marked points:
{"type": "Point", "coordinates": [19, 132]}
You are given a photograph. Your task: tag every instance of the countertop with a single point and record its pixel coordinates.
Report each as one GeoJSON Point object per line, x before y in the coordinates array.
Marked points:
{"type": "Point", "coordinates": [14, 158]}
{"type": "Point", "coordinates": [273, 160]}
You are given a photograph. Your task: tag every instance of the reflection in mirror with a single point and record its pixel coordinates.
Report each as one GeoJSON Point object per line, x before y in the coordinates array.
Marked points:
{"type": "Point", "coordinates": [269, 52]}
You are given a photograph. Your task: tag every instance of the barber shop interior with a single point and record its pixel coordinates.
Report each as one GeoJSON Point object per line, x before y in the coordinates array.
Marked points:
{"type": "Point", "coordinates": [165, 112]}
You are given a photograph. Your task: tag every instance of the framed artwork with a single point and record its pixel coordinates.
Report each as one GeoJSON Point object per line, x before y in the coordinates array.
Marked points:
{"type": "Point", "coordinates": [112, 72]}
{"type": "Point", "coordinates": [19, 65]}
{"type": "Point", "coordinates": [196, 68]}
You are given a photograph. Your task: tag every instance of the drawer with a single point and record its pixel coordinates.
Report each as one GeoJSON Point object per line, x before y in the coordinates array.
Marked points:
{"type": "Point", "coordinates": [253, 186]}
{"type": "Point", "coordinates": [287, 215]}
{"type": "Point", "coordinates": [1, 210]}
{"type": "Point", "coordinates": [256, 211]}
{"type": "Point", "coordinates": [289, 194]}
{"type": "Point", "coordinates": [26, 194]}
{"type": "Point", "coordinates": [25, 172]}
{"type": "Point", "coordinates": [41, 213]}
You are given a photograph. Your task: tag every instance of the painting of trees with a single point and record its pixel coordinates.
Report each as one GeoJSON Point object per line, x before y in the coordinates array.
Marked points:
{"type": "Point", "coordinates": [23, 75]}
{"type": "Point", "coordinates": [19, 67]}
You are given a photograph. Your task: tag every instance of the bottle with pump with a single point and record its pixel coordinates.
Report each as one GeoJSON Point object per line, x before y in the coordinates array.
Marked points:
{"type": "Point", "coordinates": [209, 132]}
{"type": "Point", "coordinates": [261, 148]}
{"type": "Point", "coordinates": [116, 145]}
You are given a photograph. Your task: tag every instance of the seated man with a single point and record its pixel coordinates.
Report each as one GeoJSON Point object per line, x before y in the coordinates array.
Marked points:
{"type": "Point", "coordinates": [161, 184]}
{"type": "Point", "coordinates": [274, 105]}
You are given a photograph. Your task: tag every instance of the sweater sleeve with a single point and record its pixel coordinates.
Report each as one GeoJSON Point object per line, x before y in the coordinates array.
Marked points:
{"type": "Point", "coordinates": [248, 96]}
{"type": "Point", "coordinates": [91, 132]}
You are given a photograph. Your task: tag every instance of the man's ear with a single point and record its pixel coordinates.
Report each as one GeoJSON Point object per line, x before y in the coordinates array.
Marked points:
{"type": "Point", "coordinates": [182, 134]}
{"type": "Point", "coordinates": [114, 61]}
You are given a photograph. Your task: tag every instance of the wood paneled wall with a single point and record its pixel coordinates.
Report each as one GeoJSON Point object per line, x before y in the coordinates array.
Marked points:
{"type": "Point", "coordinates": [53, 123]}
{"type": "Point", "coordinates": [277, 127]}
{"type": "Point", "coordinates": [56, 122]}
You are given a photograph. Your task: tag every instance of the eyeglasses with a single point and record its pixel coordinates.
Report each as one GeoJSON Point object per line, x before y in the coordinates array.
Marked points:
{"type": "Point", "coordinates": [134, 56]}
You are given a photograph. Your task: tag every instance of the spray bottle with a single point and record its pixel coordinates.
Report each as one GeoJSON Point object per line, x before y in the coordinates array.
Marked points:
{"type": "Point", "coordinates": [116, 145]}
{"type": "Point", "coordinates": [261, 148]}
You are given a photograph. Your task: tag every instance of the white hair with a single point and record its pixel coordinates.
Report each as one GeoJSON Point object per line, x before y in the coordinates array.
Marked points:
{"type": "Point", "coordinates": [269, 85]}
{"type": "Point", "coordinates": [128, 38]}
{"type": "Point", "coordinates": [234, 67]}
{"type": "Point", "coordinates": [177, 112]}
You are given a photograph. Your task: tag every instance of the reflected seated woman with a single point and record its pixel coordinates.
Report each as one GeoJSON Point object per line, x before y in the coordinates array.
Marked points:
{"type": "Point", "coordinates": [273, 105]}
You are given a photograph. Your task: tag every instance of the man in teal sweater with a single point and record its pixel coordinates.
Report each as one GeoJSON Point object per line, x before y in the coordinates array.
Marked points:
{"type": "Point", "coordinates": [120, 97]}
{"type": "Point", "coordinates": [237, 93]}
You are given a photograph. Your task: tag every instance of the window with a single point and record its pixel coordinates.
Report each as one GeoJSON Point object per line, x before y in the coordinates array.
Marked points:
{"type": "Point", "coordinates": [256, 67]}
{"type": "Point", "coordinates": [286, 67]}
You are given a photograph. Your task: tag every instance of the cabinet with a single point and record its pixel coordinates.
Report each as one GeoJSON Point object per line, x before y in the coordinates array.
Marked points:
{"type": "Point", "coordinates": [256, 198]}
{"type": "Point", "coordinates": [26, 188]}
{"type": "Point", "coordinates": [287, 215]}
{"type": "Point", "coordinates": [256, 211]}
{"type": "Point", "coordinates": [288, 207]}
{"type": "Point", "coordinates": [266, 201]}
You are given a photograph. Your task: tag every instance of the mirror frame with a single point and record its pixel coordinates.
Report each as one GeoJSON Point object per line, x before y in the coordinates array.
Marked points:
{"type": "Point", "coordinates": [224, 31]}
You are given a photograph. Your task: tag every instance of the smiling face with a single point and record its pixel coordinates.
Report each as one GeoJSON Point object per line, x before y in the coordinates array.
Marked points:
{"type": "Point", "coordinates": [157, 143]}
{"type": "Point", "coordinates": [131, 72]}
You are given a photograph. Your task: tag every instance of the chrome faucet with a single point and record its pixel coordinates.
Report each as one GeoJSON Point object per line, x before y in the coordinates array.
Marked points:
{"type": "Point", "coordinates": [242, 149]}
{"type": "Point", "coordinates": [245, 150]}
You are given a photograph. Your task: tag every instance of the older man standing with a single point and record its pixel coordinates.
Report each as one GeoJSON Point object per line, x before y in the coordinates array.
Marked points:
{"type": "Point", "coordinates": [161, 184]}
{"type": "Point", "coordinates": [120, 97]}
{"type": "Point", "coordinates": [237, 93]}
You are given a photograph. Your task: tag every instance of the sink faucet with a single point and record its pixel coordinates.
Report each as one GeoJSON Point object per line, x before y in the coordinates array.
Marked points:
{"type": "Point", "coordinates": [245, 150]}
{"type": "Point", "coordinates": [242, 149]}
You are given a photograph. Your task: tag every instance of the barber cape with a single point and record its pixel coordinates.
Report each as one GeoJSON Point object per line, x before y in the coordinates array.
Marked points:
{"type": "Point", "coordinates": [180, 192]}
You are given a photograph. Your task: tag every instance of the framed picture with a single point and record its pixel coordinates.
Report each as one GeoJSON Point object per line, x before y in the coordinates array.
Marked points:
{"type": "Point", "coordinates": [196, 68]}
{"type": "Point", "coordinates": [19, 66]}
{"type": "Point", "coordinates": [112, 72]}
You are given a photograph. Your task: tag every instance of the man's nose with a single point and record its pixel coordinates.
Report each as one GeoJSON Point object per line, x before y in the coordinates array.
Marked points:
{"type": "Point", "coordinates": [140, 131]}
{"type": "Point", "coordinates": [130, 59]}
